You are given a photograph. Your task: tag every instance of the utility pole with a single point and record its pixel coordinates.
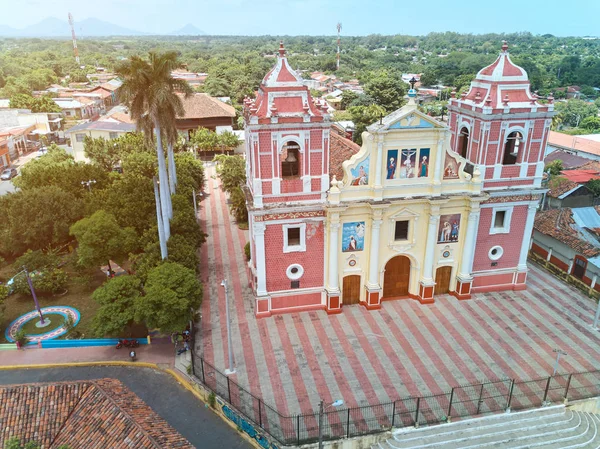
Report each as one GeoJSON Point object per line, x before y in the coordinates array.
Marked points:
{"type": "Point", "coordinates": [339, 29]}
{"type": "Point", "coordinates": [231, 369]}
{"type": "Point", "coordinates": [72, 23]}
{"type": "Point", "coordinates": [88, 184]}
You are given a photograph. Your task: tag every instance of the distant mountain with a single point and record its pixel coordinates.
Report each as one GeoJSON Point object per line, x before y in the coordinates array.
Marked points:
{"type": "Point", "coordinates": [188, 30]}
{"type": "Point", "coordinates": [53, 27]}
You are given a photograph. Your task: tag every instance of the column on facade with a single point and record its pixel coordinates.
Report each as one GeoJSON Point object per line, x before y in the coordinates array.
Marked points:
{"type": "Point", "coordinates": [261, 267]}
{"type": "Point", "coordinates": [379, 164]}
{"type": "Point", "coordinates": [531, 211]}
{"type": "Point", "coordinates": [334, 227]}
{"type": "Point", "coordinates": [373, 281]}
{"type": "Point", "coordinates": [434, 221]}
{"type": "Point", "coordinates": [466, 264]}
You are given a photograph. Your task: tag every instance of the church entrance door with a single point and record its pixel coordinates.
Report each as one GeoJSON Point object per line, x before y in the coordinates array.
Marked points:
{"type": "Point", "coordinates": [442, 280]}
{"type": "Point", "coordinates": [351, 290]}
{"type": "Point", "coordinates": [396, 277]}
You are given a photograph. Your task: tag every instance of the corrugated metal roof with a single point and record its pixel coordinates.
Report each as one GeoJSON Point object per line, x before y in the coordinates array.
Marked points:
{"type": "Point", "coordinates": [586, 217]}
{"type": "Point", "coordinates": [103, 126]}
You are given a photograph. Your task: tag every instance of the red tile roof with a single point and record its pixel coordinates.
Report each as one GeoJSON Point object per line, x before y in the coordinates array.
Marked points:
{"type": "Point", "coordinates": [559, 224]}
{"type": "Point", "coordinates": [340, 150]}
{"type": "Point", "coordinates": [581, 176]}
{"type": "Point", "coordinates": [97, 414]}
{"type": "Point", "coordinates": [560, 185]}
{"type": "Point", "coordinates": [204, 106]}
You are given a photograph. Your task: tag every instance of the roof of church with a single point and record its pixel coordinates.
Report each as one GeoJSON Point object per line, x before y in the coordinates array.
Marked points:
{"type": "Point", "coordinates": [94, 414]}
{"type": "Point", "coordinates": [340, 150]}
{"type": "Point", "coordinates": [500, 85]}
{"type": "Point", "coordinates": [282, 94]}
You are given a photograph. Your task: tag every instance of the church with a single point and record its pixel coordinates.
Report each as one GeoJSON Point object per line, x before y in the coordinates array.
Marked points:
{"type": "Point", "coordinates": [422, 210]}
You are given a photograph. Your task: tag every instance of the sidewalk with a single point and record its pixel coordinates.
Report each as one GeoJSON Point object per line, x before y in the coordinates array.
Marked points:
{"type": "Point", "coordinates": [161, 354]}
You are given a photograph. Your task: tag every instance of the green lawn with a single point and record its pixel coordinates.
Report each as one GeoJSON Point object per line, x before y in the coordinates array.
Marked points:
{"type": "Point", "coordinates": [56, 320]}
{"type": "Point", "coordinates": [78, 295]}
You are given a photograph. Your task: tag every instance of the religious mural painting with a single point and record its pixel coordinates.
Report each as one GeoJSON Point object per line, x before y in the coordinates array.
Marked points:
{"type": "Point", "coordinates": [408, 163]}
{"type": "Point", "coordinates": [423, 163]}
{"type": "Point", "coordinates": [360, 173]}
{"type": "Point", "coordinates": [450, 168]}
{"type": "Point", "coordinates": [353, 236]}
{"type": "Point", "coordinates": [392, 164]}
{"type": "Point", "coordinates": [449, 228]}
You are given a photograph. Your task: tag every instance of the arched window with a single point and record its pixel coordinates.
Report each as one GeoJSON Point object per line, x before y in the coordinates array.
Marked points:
{"type": "Point", "coordinates": [511, 148]}
{"type": "Point", "coordinates": [290, 162]}
{"type": "Point", "coordinates": [463, 142]}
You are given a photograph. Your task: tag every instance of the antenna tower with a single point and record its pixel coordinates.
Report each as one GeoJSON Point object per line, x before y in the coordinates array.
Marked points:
{"type": "Point", "coordinates": [71, 22]}
{"type": "Point", "coordinates": [339, 28]}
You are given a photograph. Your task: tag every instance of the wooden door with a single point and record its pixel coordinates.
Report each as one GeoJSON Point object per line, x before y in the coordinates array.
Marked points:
{"type": "Point", "coordinates": [396, 277]}
{"type": "Point", "coordinates": [351, 290]}
{"type": "Point", "coordinates": [579, 268]}
{"type": "Point", "coordinates": [442, 280]}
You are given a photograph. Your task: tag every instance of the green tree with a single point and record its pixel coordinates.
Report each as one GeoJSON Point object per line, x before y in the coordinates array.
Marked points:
{"type": "Point", "coordinates": [594, 186]}
{"type": "Point", "coordinates": [348, 96]}
{"type": "Point", "coordinates": [172, 291]}
{"type": "Point", "coordinates": [228, 141]}
{"type": "Point", "coordinates": [591, 123]}
{"type": "Point", "coordinates": [48, 213]}
{"type": "Point", "coordinates": [78, 76]}
{"type": "Point", "coordinates": [573, 112]}
{"type": "Point", "coordinates": [103, 152]}
{"type": "Point", "coordinates": [217, 87]}
{"type": "Point", "coordinates": [36, 104]}
{"type": "Point", "coordinates": [36, 260]}
{"type": "Point", "coordinates": [150, 91]}
{"type": "Point", "coordinates": [46, 281]}
{"type": "Point", "coordinates": [100, 239]}
{"type": "Point", "coordinates": [203, 139]}
{"type": "Point", "coordinates": [428, 78]}
{"type": "Point", "coordinates": [363, 116]}
{"type": "Point", "coordinates": [555, 167]}
{"type": "Point", "coordinates": [117, 298]}
{"type": "Point", "coordinates": [387, 88]}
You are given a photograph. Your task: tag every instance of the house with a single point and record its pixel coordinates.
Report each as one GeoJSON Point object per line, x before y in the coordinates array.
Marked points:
{"type": "Point", "coordinates": [568, 160]}
{"type": "Point", "coordinates": [570, 91]}
{"type": "Point", "coordinates": [109, 91]}
{"type": "Point", "coordinates": [202, 110]}
{"type": "Point", "coordinates": [564, 192]}
{"type": "Point", "coordinates": [91, 414]}
{"type": "Point", "coordinates": [193, 79]}
{"type": "Point", "coordinates": [73, 109]}
{"type": "Point", "coordinates": [579, 146]}
{"type": "Point", "coordinates": [46, 124]}
{"type": "Point", "coordinates": [569, 239]}
{"type": "Point", "coordinates": [16, 138]}
{"type": "Point", "coordinates": [4, 152]}
{"type": "Point", "coordinates": [100, 129]}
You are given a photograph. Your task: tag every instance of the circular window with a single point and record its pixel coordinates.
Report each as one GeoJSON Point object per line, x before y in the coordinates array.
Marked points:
{"type": "Point", "coordinates": [495, 252]}
{"type": "Point", "coordinates": [352, 262]}
{"type": "Point", "coordinates": [446, 254]}
{"type": "Point", "coordinates": [294, 271]}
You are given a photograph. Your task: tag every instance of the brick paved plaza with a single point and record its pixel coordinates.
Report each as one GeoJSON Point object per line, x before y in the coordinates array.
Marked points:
{"type": "Point", "coordinates": [365, 357]}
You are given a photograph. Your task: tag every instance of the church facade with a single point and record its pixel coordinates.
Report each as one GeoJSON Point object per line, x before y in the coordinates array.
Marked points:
{"type": "Point", "coordinates": [421, 210]}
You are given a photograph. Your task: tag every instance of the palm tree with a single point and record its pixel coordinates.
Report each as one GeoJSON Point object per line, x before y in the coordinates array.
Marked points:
{"type": "Point", "coordinates": [150, 92]}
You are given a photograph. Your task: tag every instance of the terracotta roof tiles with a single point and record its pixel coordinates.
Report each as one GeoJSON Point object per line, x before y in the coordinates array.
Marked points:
{"type": "Point", "coordinates": [340, 150]}
{"type": "Point", "coordinates": [201, 105]}
{"type": "Point", "coordinates": [96, 414]}
{"type": "Point", "coordinates": [559, 224]}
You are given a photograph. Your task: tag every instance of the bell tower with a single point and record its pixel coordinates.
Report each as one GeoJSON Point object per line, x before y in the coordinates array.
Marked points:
{"type": "Point", "coordinates": [501, 127]}
{"type": "Point", "coordinates": [287, 168]}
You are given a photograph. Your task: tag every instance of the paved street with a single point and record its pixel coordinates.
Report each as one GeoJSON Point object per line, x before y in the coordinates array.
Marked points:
{"type": "Point", "coordinates": [176, 405]}
{"type": "Point", "coordinates": [367, 357]}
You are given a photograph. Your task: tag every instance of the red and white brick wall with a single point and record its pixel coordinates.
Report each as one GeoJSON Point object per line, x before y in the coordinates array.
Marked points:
{"type": "Point", "coordinates": [311, 260]}
{"type": "Point", "coordinates": [511, 242]}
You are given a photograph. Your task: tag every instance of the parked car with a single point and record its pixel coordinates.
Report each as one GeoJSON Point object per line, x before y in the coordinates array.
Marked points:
{"type": "Point", "coordinates": [8, 174]}
{"type": "Point", "coordinates": [41, 152]}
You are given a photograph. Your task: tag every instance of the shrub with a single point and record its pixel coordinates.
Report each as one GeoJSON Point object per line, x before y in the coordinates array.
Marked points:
{"type": "Point", "coordinates": [36, 260]}
{"type": "Point", "coordinates": [21, 338]}
{"type": "Point", "coordinates": [44, 282]}
{"type": "Point", "coordinates": [247, 250]}
{"type": "Point", "coordinates": [212, 399]}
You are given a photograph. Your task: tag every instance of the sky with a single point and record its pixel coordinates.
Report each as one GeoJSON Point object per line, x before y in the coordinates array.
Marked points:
{"type": "Point", "coordinates": [319, 17]}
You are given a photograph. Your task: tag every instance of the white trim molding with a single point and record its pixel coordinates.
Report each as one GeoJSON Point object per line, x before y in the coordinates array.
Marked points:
{"type": "Point", "coordinates": [505, 229]}
{"type": "Point", "coordinates": [287, 248]}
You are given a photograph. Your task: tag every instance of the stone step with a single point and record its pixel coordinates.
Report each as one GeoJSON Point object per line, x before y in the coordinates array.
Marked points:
{"type": "Point", "coordinates": [481, 429]}
{"type": "Point", "coordinates": [546, 428]}
{"type": "Point", "coordinates": [500, 419]}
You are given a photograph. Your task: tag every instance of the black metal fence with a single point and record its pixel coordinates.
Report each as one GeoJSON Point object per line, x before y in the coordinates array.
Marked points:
{"type": "Point", "coordinates": [465, 401]}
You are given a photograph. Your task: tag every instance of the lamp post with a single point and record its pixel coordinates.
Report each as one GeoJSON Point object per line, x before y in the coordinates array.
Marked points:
{"type": "Point", "coordinates": [558, 352]}
{"type": "Point", "coordinates": [322, 409]}
{"type": "Point", "coordinates": [42, 323]}
{"type": "Point", "coordinates": [231, 369]}
{"type": "Point", "coordinates": [88, 184]}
